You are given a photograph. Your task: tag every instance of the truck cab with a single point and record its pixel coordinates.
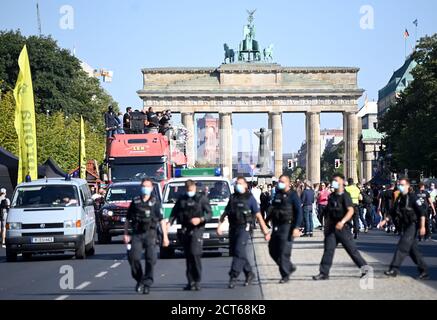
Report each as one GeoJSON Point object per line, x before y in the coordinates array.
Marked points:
{"type": "Point", "coordinates": [218, 190]}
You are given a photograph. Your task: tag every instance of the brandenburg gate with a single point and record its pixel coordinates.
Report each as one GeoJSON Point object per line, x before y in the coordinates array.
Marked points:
{"type": "Point", "coordinates": [256, 85]}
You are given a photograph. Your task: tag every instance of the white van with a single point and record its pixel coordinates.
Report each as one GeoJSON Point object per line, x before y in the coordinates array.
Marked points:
{"type": "Point", "coordinates": [51, 216]}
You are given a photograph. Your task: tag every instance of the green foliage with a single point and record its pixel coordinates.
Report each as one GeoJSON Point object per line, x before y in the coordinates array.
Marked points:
{"type": "Point", "coordinates": [60, 87]}
{"type": "Point", "coordinates": [59, 82]}
{"type": "Point", "coordinates": [410, 124]}
{"type": "Point", "coordinates": [328, 161]}
{"type": "Point", "coordinates": [298, 173]}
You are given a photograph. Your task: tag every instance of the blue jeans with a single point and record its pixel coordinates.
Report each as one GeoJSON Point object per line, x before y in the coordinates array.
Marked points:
{"type": "Point", "coordinates": [308, 218]}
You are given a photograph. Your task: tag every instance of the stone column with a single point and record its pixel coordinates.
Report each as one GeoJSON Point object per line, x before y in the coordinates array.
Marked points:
{"type": "Point", "coordinates": [351, 145]}
{"type": "Point", "coordinates": [369, 156]}
{"type": "Point", "coordinates": [313, 146]}
{"type": "Point", "coordinates": [225, 122]}
{"type": "Point", "coordinates": [270, 130]}
{"type": "Point", "coordinates": [277, 141]}
{"type": "Point", "coordinates": [187, 119]}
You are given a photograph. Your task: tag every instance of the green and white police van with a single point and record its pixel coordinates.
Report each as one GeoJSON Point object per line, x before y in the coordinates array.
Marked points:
{"type": "Point", "coordinates": [218, 190]}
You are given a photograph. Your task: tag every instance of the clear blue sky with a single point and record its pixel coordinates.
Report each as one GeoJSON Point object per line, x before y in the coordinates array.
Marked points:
{"type": "Point", "coordinates": [125, 36]}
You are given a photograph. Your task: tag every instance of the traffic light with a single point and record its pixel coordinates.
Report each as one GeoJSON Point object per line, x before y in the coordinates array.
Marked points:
{"type": "Point", "coordinates": [290, 164]}
{"type": "Point", "coordinates": [337, 163]}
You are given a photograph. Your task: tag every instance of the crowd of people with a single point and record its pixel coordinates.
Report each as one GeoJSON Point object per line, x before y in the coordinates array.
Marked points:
{"type": "Point", "coordinates": [372, 204]}
{"type": "Point", "coordinates": [136, 122]}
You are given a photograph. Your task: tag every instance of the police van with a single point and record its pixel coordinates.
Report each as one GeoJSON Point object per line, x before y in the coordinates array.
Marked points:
{"type": "Point", "coordinates": [218, 190]}
{"type": "Point", "coordinates": [51, 216]}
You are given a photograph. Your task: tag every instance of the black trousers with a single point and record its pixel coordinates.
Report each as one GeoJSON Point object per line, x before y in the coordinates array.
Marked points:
{"type": "Point", "coordinates": [407, 246]}
{"type": "Point", "coordinates": [356, 220]}
{"type": "Point", "coordinates": [192, 241]}
{"type": "Point", "coordinates": [334, 237]}
{"type": "Point", "coordinates": [238, 240]}
{"type": "Point", "coordinates": [147, 242]}
{"type": "Point", "coordinates": [280, 245]}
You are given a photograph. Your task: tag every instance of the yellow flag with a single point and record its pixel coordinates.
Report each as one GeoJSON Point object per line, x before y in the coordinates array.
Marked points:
{"type": "Point", "coordinates": [82, 154]}
{"type": "Point", "coordinates": [25, 120]}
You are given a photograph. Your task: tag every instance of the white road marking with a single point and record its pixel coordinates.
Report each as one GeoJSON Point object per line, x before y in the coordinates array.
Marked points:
{"type": "Point", "coordinates": [83, 285]}
{"type": "Point", "coordinates": [101, 274]}
{"type": "Point", "coordinates": [62, 297]}
{"type": "Point", "coordinates": [115, 265]}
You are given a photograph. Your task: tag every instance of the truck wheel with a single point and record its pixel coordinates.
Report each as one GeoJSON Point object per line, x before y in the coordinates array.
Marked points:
{"type": "Point", "coordinates": [80, 251]}
{"type": "Point", "coordinates": [27, 256]}
{"type": "Point", "coordinates": [11, 256]}
{"type": "Point", "coordinates": [104, 238]}
{"type": "Point", "coordinates": [166, 253]}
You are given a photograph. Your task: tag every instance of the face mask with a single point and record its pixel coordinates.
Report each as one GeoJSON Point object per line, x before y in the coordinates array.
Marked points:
{"type": "Point", "coordinates": [239, 188]}
{"type": "Point", "coordinates": [191, 193]}
{"type": "Point", "coordinates": [401, 188]}
{"type": "Point", "coordinates": [146, 191]}
{"type": "Point", "coordinates": [281, 186]}
{"type": "Point", "coordinates": [335, 185]}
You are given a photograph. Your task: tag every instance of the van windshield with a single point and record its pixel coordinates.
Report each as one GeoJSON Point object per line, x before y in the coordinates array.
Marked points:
{"type": "Point", "coordinates": [46, 196]}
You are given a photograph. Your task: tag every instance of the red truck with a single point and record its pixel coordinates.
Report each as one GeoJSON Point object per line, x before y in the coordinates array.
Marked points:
{"type": "Point", "coordinates": [135, 156]}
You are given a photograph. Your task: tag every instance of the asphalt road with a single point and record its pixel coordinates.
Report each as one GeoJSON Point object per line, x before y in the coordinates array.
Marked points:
{"type": "Point", "coordinates": [107, 274]}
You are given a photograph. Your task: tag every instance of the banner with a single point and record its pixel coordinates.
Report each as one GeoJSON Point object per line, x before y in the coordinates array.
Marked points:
{"type": "Point", "coordinates": [25, 121]}
{"type": "Point", "coordinates": [82, 153]}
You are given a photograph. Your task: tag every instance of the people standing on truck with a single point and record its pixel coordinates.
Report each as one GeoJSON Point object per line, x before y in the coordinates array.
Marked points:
{"type": "Point", "coordinates": [153, 122]}
{"type": "Point", "coordinates": [120, 123]}
{"type": "Point", "coordinates": [164, 122]}
{"type": "Point", "coordinates": [137, 119]}
{"type": "Point", "coordinates": [143, 216]}
{"type": "Point", "coordinates": [192, 210]}
{"type": "Point", "coordinates": [111, 122]}
{"type": "Point", "coordinates": [127, 120]}
{"type": "Point", "coordinates": [5, 204]}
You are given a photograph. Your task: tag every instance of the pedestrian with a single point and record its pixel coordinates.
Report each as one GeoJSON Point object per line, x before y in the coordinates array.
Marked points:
{"type": "Point", "coordinates": [425, 197]}
{"type": "Point", "coordinates": [367, 204]}
{"type": "Point", "coordinates": [411, 213]}
{"type": "Point", "coordinates": [385, 205]}
{"type": "Point", "coordinates": [265, 201]}
{"type": "Point", "coordinates": [339, 212]}
{"type": "Point", "coordinates": [192, 210]}
{"type": "Point", "coordinates": [143, 216]}
{"type": "Point", "coordinates": [5, 204]}
{"type": "Point", "coordinates": [308, 198]}
{"type": "Point", "coordinates": [286, 217]}
{"type": "Point", "coordinates": [120, 123]}
{"type": "Point", "coordinates": [322, 201]}
{"type": "Point", "coordinates": [241, 210]}
{"type": "Point", "coordinates": [355, 195]}
{"type": "Point", "coordinates": [127, 120]}
{"type": "Point", "coordinates": [111, 122]}
{"type": "Point", "coordinates": [153, 122]}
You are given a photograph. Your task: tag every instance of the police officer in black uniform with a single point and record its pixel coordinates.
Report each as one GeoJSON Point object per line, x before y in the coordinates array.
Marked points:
{"type": "Point", "coordinates": [425, 197]}
{"type": "Point", "coordinates": [241, 210]}
{"type": "Point", "coordinates": [339, 212]}
{"type": "Point", "coordinates": [192, 211]}
{"type": "Point", "coordinates": [285, 213]}
{"type": "Point", "coordinates": [410, 212]}
{"type": "Point", "coordinates": [143, 216]}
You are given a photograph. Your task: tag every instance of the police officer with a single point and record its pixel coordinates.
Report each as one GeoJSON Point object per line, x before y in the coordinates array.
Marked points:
{"type": "Point", "coordinates": [339, 212]}
{"type": "Point", "coordinates": [192, 211]}
{"type": "Point", "coordinates": [241, 210]}
{"type": "Point", "coordinates": [411, 213]}
{"type": "Point", "coordinates": [285, 214]}
{"type": "Point", "coordinates": [425, 197]}
{"type": "Point", "coordinates": [143, 216]}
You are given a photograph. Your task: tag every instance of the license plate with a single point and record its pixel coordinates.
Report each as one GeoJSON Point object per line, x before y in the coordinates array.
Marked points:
{"type": "Point", "coordinates": [206, 236]}
{"type": "Point", "coordinates": [43, 240]}
{"type": "Point", "coordinates": [123, 219]}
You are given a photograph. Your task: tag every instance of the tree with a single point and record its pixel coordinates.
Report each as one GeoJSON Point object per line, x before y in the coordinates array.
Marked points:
{"type": "Point", "coordinates": [59, 82]}
{"type": "Point", "coordinates": [410, 124]}
{"type": "Point", "coordinates": [328, 161]}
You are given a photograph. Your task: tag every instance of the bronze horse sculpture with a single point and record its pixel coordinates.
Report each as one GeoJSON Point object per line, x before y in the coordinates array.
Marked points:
{"type": "Point", "coordinates": [229, 53]}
